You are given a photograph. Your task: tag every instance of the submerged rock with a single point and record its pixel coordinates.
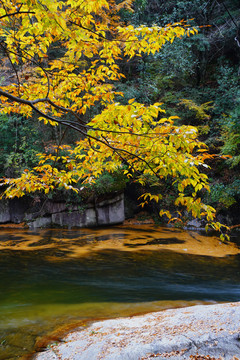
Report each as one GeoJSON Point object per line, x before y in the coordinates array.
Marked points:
{"type": "Point", "coordinates": [198, 332]}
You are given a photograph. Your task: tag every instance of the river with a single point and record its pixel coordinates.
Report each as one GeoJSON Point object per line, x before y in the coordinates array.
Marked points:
{"type": "Point", "coordinates": [55, 279]}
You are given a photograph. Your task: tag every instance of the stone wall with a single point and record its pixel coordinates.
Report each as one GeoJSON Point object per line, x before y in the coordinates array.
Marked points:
{"type": "Point", "coordinates": [52, 213]}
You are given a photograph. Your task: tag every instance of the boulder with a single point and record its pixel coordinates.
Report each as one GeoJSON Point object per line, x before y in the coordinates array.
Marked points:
{"type": "Point", "coordinates": [52, 207]}
{"type": "Point", "coordinates": [18, 208]}
{"type": "Point", "coordinates": [107, 212]}
{"type": "Point", "coordinates": [41, 222]}
{"type": "Point", "coordinates": [46, 213]}
{"type": "Point", "coordinates": [86, 218]}
{"type": "Point", "coordinates": [111, 211]}
{"type": "Point", "coordinates": [200, 332]}
{"type": "Point", "coordinates": [4, 212]}
{"type": "Point", "coordinates": [195, 223]}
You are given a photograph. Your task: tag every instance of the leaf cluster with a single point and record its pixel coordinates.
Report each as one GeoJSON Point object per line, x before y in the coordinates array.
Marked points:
{"type": "Point", "coordinates": [76, 90]}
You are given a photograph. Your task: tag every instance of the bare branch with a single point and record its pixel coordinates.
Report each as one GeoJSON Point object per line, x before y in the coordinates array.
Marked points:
{"type": "Point", "coordinates": [16, 13]}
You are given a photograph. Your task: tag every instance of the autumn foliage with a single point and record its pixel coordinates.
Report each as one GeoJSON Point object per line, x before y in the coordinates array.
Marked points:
{"type": "Point", "coordinates": [92, 42]}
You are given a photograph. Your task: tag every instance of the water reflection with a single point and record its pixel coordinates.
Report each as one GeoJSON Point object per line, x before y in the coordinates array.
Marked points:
{"type": "Point", "coordinates": [55, 277]}
{"type": "Point", "coordinates": [81, 242]}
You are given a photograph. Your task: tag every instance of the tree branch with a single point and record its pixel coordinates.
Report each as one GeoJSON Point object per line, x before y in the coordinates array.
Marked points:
{"type": "Point", "coordinates": [17, 13]}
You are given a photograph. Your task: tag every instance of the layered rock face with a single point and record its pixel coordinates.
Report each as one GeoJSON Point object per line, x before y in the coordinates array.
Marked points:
{"type": "Point", "coordinates": [210, 332]}
{"type": "Point", "coordinates": [50, 213]}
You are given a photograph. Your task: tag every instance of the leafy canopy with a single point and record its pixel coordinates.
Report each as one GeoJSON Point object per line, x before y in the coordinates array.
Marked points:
{"type": "Point", "coordinates": [90, 43]}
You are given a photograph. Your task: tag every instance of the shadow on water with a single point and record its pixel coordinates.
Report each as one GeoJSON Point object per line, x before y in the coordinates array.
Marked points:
{"type": "Point", "coordinates": [157, 242]}
{"type": "Point", "coordinates": [56, 277]}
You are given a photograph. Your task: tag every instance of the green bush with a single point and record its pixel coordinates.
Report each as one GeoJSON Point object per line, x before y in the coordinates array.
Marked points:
{"type": "Point", "coordinates": [19, 144]}
{"type": "Point", "coordinates": [225, 195]}
{"type": "Point", "coordinates": [108, 184]}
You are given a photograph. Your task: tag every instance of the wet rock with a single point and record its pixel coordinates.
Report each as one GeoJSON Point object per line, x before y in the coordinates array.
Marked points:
{"type": "Point", "coordinates": [17, 208]}
{"type": "Point", "coordinates": [4, 212]}
{"type": "Point", "coordinates": [198, 332]}
{"type": "Point", "coordinates": [14, 339]}
{"type": "Point", "coordinates": [52, 207]}
{"type": "Point", "coordinates": [107, 212]}
{"type": "Point", "coordinates": [40, 222]}
{"type": "Point", "coordinates": [195, 223]}
{"type": "Point", "coordinates": [75, 218]}
{"type": "Point", "coordinates": [111, 211]}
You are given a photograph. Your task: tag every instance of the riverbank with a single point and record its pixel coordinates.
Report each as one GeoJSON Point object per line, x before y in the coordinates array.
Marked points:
{"type": "Point", "coordinates": [198, 332]}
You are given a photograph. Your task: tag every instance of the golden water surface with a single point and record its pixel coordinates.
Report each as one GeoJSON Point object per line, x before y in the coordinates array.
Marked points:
{"type": "Point", "coordinates": [55, 279]}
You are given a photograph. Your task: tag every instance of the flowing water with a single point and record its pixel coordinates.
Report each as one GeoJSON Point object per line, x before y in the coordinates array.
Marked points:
{"type": "Point", "coordinates": [52, 280]}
